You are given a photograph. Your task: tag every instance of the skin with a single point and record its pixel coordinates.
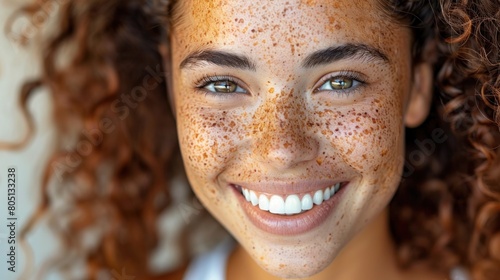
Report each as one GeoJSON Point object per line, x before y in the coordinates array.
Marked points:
{"type": "Point", "coordinates": [282, 128]}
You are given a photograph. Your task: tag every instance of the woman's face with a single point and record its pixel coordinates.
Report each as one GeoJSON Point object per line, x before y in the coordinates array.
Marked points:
{"type": "Point", "coordinates": [279, 102]}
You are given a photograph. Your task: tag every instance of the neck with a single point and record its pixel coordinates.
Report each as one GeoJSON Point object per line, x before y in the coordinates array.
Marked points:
{"type": "Point", "coordinates": [369, 255]}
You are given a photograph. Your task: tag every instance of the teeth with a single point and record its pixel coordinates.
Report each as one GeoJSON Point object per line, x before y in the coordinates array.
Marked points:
{"type": "Point", "coordinates": [307, 202]}
{"type": "Point", "coordinates": [246, 194]}
{"type": "Point", "coordinates": [277, 205]}
{"type": "Point", "coordinates": [326, 194]}
{"type": "Point", "coordinates": [263, 202]}
{"type": "Point", "coordinates": [292, 204]}
{"type": "Point", "coordinates": [253, 198]}
{"type": "Point", "coordinates": [318, 197]}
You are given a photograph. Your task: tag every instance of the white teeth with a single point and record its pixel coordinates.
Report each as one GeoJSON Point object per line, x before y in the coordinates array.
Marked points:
{"type": "Point", "coordinates": [263, 202]}
{"type": "Point", "coordinates": [292, 205]}
{"type": "Point", "coordinates": [246, 194]}
{"type": "Point", "coordinates": [318, 197]}
{"type": "Point", "coordinates": [326, 194]}
{"type": "Point", "coordinates": [253, 198]}
{"type": "Point", "coordinates": [307, 202]}
{"type": "Point", "coordinates": [277, 205]}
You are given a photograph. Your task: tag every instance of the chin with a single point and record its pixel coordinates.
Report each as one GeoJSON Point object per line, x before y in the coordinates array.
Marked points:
{"type": "Point", "coordinates": [296, 261]}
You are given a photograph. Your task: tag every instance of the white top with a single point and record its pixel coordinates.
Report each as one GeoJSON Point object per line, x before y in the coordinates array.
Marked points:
{"type": "Point", "coordinates": [212, 265]}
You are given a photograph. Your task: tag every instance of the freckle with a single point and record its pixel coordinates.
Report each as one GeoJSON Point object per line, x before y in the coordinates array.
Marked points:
{"type": "Point", "coordinates": [271, 90]}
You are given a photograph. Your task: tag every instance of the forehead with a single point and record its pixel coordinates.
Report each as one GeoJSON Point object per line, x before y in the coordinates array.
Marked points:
{"type": "Point", "coordinates": [288, 30]}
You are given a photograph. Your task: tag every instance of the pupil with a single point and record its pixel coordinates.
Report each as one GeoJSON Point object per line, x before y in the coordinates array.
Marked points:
{"type": "Point", "coordinates": [341, 83]}
{"type": "Point", "coordinates": [224, 86]}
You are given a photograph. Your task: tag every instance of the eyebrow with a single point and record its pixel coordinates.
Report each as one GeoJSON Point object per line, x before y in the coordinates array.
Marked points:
{"type": "Point", "coordinates": [220, 58]}
{"type": "Point", "coordinates": [321, 57]}
{"type": "Point", "coordinates": [336, 53]}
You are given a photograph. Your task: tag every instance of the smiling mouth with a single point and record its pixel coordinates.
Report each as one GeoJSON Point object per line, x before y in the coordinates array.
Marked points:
{"type": "Point", "coordinates": [292, 204]}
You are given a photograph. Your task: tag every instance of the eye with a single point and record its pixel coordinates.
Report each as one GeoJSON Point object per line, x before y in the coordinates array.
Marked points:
{"type": "Point", "coordinates": [344, 82]}
{"type": "Point", "coordinates": [220, 85]}
{"type": "Point", "coordinates": [339, 83]}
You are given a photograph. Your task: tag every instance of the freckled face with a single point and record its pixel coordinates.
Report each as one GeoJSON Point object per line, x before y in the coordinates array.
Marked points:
{"type": "Point", "coordinates": [282, 98]}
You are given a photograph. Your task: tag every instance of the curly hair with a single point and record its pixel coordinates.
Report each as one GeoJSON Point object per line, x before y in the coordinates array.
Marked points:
{"type": "Point", "coordinates": [116, 172]}
{"type": "Point", "coordinates": [446, 211]}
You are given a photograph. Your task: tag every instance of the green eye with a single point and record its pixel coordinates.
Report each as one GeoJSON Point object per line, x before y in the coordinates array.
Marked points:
{"type": "Point", "coordinates": [341, 83]}
{"type": "Point", "coordinates": [223, 86]}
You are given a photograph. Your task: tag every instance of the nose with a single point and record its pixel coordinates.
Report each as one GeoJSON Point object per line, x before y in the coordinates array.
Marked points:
{"type": "Point", "coordinates": [282, 133]}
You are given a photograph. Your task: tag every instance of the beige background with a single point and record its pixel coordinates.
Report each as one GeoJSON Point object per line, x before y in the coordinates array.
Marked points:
{"type": "Point", "coordinates": [17, 64]}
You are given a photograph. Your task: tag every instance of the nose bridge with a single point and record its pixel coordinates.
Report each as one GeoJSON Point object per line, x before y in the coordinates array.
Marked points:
{"type": "Point", "coordinates": [282, 139]}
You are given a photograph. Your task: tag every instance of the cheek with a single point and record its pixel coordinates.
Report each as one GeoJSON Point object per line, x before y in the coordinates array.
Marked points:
{"type": "Point", "coordinates": [208, 139]}
{"type": "Point", "coordinates": [369, 138]}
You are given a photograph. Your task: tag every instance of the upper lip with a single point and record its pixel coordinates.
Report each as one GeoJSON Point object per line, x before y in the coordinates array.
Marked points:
{"type": "Point", "coordinates": [287, 187]}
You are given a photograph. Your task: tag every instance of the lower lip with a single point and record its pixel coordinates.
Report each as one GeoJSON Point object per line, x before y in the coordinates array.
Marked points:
{"type": "Point", "coordinates": [293, 224]}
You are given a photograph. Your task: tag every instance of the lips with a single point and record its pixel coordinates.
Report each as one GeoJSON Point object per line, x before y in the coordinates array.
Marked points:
{"type": "Point", "coordinates": [292, 213]}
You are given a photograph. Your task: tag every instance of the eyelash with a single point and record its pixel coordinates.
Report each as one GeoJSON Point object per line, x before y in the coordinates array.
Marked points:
{"type": "Point", "coordinates": [357, 77]}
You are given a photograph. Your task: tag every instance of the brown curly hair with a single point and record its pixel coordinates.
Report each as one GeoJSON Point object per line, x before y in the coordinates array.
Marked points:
{"type": "Point", "coordinates": [446, 211]}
